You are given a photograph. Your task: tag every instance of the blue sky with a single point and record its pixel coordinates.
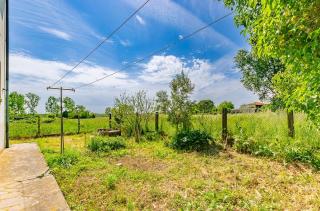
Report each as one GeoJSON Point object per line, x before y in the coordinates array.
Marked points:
{"type": "Point", "coordinates": [48, 37]}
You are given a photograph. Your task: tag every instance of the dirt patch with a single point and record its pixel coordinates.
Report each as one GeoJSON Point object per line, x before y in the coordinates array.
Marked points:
{"type": "Point", "coordinates": [141, 163]}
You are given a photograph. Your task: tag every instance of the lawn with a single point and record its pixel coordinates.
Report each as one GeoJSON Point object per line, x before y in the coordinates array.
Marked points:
{"type": "Point", "coordinates": [152, 176]}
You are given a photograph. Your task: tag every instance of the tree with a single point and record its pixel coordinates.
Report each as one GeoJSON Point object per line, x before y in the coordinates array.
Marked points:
{"type": "Point", "coordinates": [16, 104]}
{"type": "Point", "coordinates": [69, 104]}
{"type": "Point", "coordinates": [131, 112]}
{"type": "Point", "coordinates": [225, 104]}
{"type": "Point", "coordinates": [32, 102]}
{"type": "Point", "coordinates": [162, 101]}
{"type": "Point", "coordinates": [257, 74]}
{"type": "Point", "coordinates": [52, 106]}
{"type": "Point", "coordinates": [206, 106]}
{"type": "Point", "coordinates": [180, 107]}
{"type": "Point", "coordinates": [290, 31]}
{"type": "Point", "coordinates": [108, 110]}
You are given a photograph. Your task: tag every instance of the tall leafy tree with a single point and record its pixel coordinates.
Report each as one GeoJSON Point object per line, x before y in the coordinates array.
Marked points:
{"type": "Point", "coordinates": [290, 31]}
{"type": "Point", "coordinates": [181, 105]}
{"type": "Point", "coordinates": [32, 101]}
{"type": "Point", "coordinates": [52, 105]}
{"type": "Point", "coordinates": [16, 104]}
{"type": "Point", "coordinates": [257, 73]}
{"type": "Point", "coordinates": [162, 101]}
{"type": "Point", "coordinates": [69, 104]}
{"type": "Point", "coordinates": [226, 104]}
{"type": "Point", "coordinates": [206, 106]}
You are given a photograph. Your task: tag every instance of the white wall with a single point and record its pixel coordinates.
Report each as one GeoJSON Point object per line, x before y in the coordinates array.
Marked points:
{"type": "Point", "coordinates": [2, 71]}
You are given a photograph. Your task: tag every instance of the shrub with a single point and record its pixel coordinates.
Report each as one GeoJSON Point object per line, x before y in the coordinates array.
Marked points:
{"type": "Point", "coordinates": [152, 136]}
{"type": "Point", "coordinates": [303, 155]}
{"type": "Point", "coordinates": [105, 144]}
{"type": "Point", "coordinates": [110, 181]}
{"type": "Point", "coordinates": [68, 159]}
{"type": "Point", "coordinates": [192, 140]}
{"type": "Point", "coordinates": [249, 146]}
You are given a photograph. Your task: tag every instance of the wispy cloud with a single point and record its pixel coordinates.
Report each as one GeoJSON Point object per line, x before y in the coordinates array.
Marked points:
{"type": "Point", "coordinates": [140, 20]}
{"type": "Point", "coordinates": [57, 33]}
{"type": "Point", "coordinates": [125, 43]}
{"type": "Point", "coordinates": [54, 17]}
{"type": "Point", "coordinates": [170, 13]}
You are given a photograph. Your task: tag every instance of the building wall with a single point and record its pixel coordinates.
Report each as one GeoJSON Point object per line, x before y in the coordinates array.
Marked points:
{"type": "Point", "coordinates": [2, 72]}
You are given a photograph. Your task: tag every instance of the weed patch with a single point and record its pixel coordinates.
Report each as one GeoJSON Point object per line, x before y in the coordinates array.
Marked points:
{"type": "Point", "coordinates": [105, 144]}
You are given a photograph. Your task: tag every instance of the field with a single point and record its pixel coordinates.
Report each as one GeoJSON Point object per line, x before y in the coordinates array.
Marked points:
{"type": "Point", "coordinates": [152, 176]}
{"type": "Point", "coordinates": [264, 169]}
{"type": "Point", "coordinates": [260, 134]}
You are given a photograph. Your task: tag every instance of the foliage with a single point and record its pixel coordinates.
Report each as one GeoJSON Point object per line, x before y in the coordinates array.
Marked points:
{"type": "Point", "coordinates": [108, 110]}
{"type": "Point", "coordinates": [192, 140]}
{"type": "Point", "coordinates": [32, 101]}
{"type": "Point", "coordinates": [69, 104]}
{"type": "Point", "coordinates": [66, 160]}
{"type": "Point", "coordinates": [225, 104]}
{"type": "Point", "coordinates": [180, 107]}
{"type": "Point", "coordinates": [205, 106]}
{"type": "Point", "coordinates": [257, 73]}
{"type": "Point", "coordinates": [105, 144]}
{"type": "Point", "coordinates": [16, 104]}
{"type": "Point", "coordinates": [290, 31]}
{"type": "Point", "coordinates": [81, 112]}
{"type": "Point", "coordinates": [162, 102]}
{"type": "Point", "coordinates": [132, 112]}
{"type": "Point", "coordinates": [52, 106]}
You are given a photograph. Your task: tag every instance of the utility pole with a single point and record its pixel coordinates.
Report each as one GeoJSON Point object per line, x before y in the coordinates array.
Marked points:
{"type": "Point", "coordinates": [61, 112]}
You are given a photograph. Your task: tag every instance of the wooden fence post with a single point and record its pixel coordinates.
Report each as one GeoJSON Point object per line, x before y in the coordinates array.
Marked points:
{"type": "Point", "coordinates": [110, 118]}
{"type": "Point", "coordinates": [39, 127]}
{"type": "Point", "coordinates": [291, 131]}
{"type": "Point", "coordinates": [157, 121]}
{"type": "Point", "coordinates": [224, 124]}
{"type": "Point", "coordinates": [78, 124]}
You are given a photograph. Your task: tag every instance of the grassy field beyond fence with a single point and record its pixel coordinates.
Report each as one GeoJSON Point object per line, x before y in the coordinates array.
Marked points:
{"type": "Point", "coordinates": [262, 126]}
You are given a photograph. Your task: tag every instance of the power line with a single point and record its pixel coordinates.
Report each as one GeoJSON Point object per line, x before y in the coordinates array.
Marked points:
{"type": "Point", "coordinates": [102, 42]}
{"type": "Point", "coordinates": [157, 51]}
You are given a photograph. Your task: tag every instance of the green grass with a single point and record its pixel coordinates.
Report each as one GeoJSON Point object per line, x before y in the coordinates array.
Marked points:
{"type": "Point", "coordinates": [29, 128]}
{"type": "Point", "coordinates": [151, 176]}
{"type": "Point", "coordinates": [259, 134]}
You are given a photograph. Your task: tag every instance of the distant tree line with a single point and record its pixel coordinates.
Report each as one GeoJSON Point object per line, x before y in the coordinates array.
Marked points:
{"type": "Point", "coordinates": [20, 105]}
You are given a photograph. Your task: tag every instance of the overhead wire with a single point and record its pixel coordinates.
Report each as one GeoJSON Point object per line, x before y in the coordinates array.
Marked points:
{"type": "Point", "coordinates": [167, 46]}
{"type": "Point", "coordinates": [102, 42]}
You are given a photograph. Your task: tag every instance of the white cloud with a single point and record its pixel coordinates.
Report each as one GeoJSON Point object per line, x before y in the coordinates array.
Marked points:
{"type": "Point", "coordinates": [46, 72]}
{"type": "Point", "coordinates": [125, 43]}
{"type": "Point", "coordinates": [29, 74]}
{"type": "Point", "coordinates": [140, 20]}
{"type": "Point", "coordinates": [57, 33]}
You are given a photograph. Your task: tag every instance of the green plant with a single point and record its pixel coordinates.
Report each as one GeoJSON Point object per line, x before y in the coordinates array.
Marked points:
{"type": "Point", "coordinates": [110, 181]}
{"type": "Point", "coordinates": [152, 136]}
{"type": "Point", "coordinates": [105, 144]}
{"type": "Point", "coordinates": [66, 160]}
{"type": "Point", "coordinates": [192, 140]}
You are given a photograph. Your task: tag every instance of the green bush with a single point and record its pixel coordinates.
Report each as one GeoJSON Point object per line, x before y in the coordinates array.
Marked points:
{"type": "Point", "coordinates": [302, 155]}
{"type": "Point", "coordinates": [192, 141]}
{"type": "Point", "coordinates": [105, 144]}
{"type": "Point", "coordinates": [151, 136]}
{"type": "Point", "coordinates": [68, 159]}
{"type": "Point", "coordinates": [250, 146]}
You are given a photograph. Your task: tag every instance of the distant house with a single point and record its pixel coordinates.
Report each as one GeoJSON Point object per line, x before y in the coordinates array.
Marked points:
{"type": "Point", "coordinates": [251, 107]}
